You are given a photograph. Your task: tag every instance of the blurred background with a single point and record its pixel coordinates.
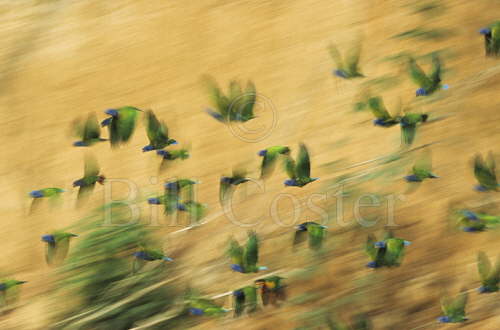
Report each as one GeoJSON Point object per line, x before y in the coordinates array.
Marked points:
{"type": "Point", "coordinates": [62, 59]}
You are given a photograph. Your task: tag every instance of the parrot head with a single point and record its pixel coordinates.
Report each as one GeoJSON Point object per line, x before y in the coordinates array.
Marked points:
{"type": "Point", "coordinates": [485, 31]}
{"type": "Point", "coordinates": [154, 201]}
{"type": "Point", "coordinates": [48, 239]}
{"type": "Point", "coordinates": [226, 180]}
{"type": "Point", "coordinates": [36, 194]}
{"type": "Point", "coordinates": [106, 121]}
{"type": "Point", "coordinates": [340, 73]}
{"type": "Point", "coordinates": [79, 144]}
{"type": "Point", "coordinates": [421, 92]}
{"type": "Point", "coordinates": [291, 183]}
{"type": "Point", "coordinates": [111, 112]}
{"type": "Point", "coordinates": [262, 153]}
{"type": "Point", "coordinates": [148, 148]}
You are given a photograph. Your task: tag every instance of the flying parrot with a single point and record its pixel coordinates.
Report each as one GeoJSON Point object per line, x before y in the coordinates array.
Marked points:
{"type": "Point", "coordinates": [88, 132]}
{"type": "Point", "coordinates": [299, 172]}
{"type": "Point", "coordinates": [491, 39]}
{"type": "Point", "coordinates": [409, 123]}
{"type": "Point", "coordinates": [428, 84]}
{"type": "Point", "coordinates": [121, 124]}
{"type": "Point", "coordinates": [195, 209]}
{"type": "Point", "coordinates": [271, 290]}
{"type": "Point", "coordinates": [200, 306]}
{"type": "Point", "coordinates": [9, 291]}
{"type": "Point", "coordinates": [245, 259]}
{"type": "Point", "coordinates": [245, 299]}
{"type": "Point", "coordinates": [312, 230]}
{"type": "Point", "coordinates": [90, 177]}
{"type": "Point", "coordinates": [157, 133]}
{"type": "Point", "coordinates": [269, 158]}
{"type": "Point", "coordinates": [454, 308]}
{"type": "Point", "coordinates": [485, 173]}
{"type": "Point", "coordinates": [490, 276]}
{"type": "Point", "coordinates": [227, 184]}
{"type": "Point", "coordinates": [382, 116]}
{"type": "Point", "coordinates": [57, 246]}
{"type": "Point", "coordinates": [51, 193]}
{"type": "Point", "coordinates": [422, 170]}
{"type": "Point", "coordinates": [145, 255]}
{"type": "Point", "coordinates": [347, 67]}
{"type": "Point", "coordinates": [388, 252]}
{"type": "Point", "coordinates": [171, 155]}
{"type": "Point", "coordinates": [175, 193]}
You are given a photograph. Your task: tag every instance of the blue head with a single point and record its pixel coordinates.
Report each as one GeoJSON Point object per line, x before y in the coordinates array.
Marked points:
{"type": "Point", "coordinates": [148, 148]}
{"type": "Point", "coordinates": [154, 201]}
{"type": "Point", "coordinates": [163, 153]}
{"type": "Point", "coordinates": [181, 207]}
{"type": "Point", "coordinates": [196, 311]}
{"type": "Point", "coordinates": [301, 227]}
{"type": "Point", "coordinates": [48, 239]}
{"type": "Point", "coordinates": [237, 268]}
{"type": "Point", "coordinates": [79, 144]}
{"type": "Point", "coordinates": [3, 287]}
{"type": "Point", "coordinates": [215, 115]}
{"type": "Point", "coordinates": [171, 185]}
{"type": "Point", "coordinates": [480, 188]}
{"type": "Point", "coordinates": [142, 255]}
{"type": "Point", "coordinates": [421, 92]}
{"type": "Point", "coordinates": [291, 183]}
{"type": "Point", "coordinates": [106, 121]}
{"type": "Point", "coordinates": [238, 293]}
{"type": "Point", "coordinates": [226, 179]}
{"type": "Point", "coordinates": [444, 319]}
{"type": "Point", "coordinates": [379, 122]}
{"type": "Point", "coordinates": [111, 112]}
{"type": "Point", "coordinates": [340, 73]}
{"type": "Point", "coordinates": [412, 178]}
{"type": "Point", "coordinates": [483, 290]}
{"type": "Point", "coordinates": [78, 183]}
{"type": "Point", "coordinates": [372, 264]}
{"type": "Point", "coordinates": [472, 229]}
{"type": "Point", "coordinates": [262, 153]}
{"type": "Point", "coordinates": [36, 194]}
{"type": "Point", "coordinates": [380, 244]}
{"type": "Point", "coordinates": [485, 31]}
{"type": "Point", "coordinates": [469, 214]}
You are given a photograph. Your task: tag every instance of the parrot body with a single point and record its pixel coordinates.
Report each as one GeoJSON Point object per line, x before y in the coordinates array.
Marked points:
{"type": "Point", "coordinates": [245, 259]}
{"type": "Point", "coordinates": [245, 299]}
{"type": "Point", "coordinates": [121, 124]}
{"type": "Point", "coordinates": [57, 246]}
{"type": "Point", "coordinates": [269, 158]}
{"type": "Point", "coordinates": [227, 184]}
{"type": "Point", "coordinates": [9, 291]}
{"type": "Point", "coordinates": [388, 252]}
{"type": "Point", "coordinates": [200, 306]}
{"type": "Point", "coordinates": [422, 170]}
{"type": "Point", "coordinates": [490, 275]}
{"type": "Point", "coordinates": [382, 116]}
{"type": "Point", "coordinates": [491, 39]}
{"type": "Point", "coordinates": [348, 67]}
{"type": "Point", "coordinates": [157, 133]}
{"type": "Point", "coordinates": [454, 308]}
{"type": "Point", "coordinates": [89, 132]}
{"type": "Point", "coordinates": [428, 83]}
{"type": "Point", "coordinates": [271, 290]}
{"type": "Point", "coordinates": [46, 192]}
{"type": "Point", "coordinates": [485, 173]}
{"type": "Point", "coordinates": [312, 231]}
{"type": "Point", "coordinates": [299, 172]}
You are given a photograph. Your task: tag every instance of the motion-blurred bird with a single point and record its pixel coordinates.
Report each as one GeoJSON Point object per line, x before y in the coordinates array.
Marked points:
{"type": "Point", "coordinates": [9, 291]}
{"type": "Point", "coordinates": [200, 306]}
{"type": "Point", "coordinates": [428, 83]}
{"type": "Point", "coordinates": [245, 299]}
{"type": "Point", "coordinates": [454, 308]}
{"type": "Point", "coordinates": [409, 123]}
{"type": "Point", "coordinates": [271, 290]}
{"type": "Point", "coordinates": [237, 105]}
{"type": "Point", "coordinates": [382, 116]}
{"type": "Point", "coordinates": [170, 155]}
{"type": "Point", "coordinates": [485, 173]}
{"type": "Point", "coordinates": [491, 39]}
{"type": "Point", "coordinates": [469, 221]}
{"type": "Point", "coordinates": [196, 210]}
{"type": "Point", "coordinates": [175, 192]}
{"type": "Point", "coordinates": [90, 177]}
{"type": "Point", "coordinates": [300, 172]}
{"type": "Point", "coordinates": [269, 158]}
{"type": "Point", "coordinates": [57, 246]}
{"type": "Point", "coordinates": [245, 259]}
{"type": "Point", "coordinates": [312, 230]}
{"type": "Point", "coordinates": [422, 170]}
{"type": "Point", "coordinates": [157, 133]}
{"type": "Point", "coordinates": [46, 192]}
{"type": "Point", "coordinates": [490, 276]}
{"type": "Point", "coordinates": [146, 255]}
{"type": "Point", "coordinates": [388, 252]}
{"type": "Point", "coordinates": [121, 124]}
{"type": "Point", "coordinates": [88, 132]}
{"type": "Point", "coordinates": [227, 184]}
{"type": "Point", "coordinates": [347, 67]}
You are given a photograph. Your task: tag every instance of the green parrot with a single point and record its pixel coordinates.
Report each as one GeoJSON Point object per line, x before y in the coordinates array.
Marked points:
{"type": "Point", "coordinates": [237, 105]}
{"type": "Point", "coordinates": [157, 133]}
{"type": "Point", "coordinates": [271, 290]}
{"type": "Point", "coordinates": [145, 255]}
{"type": "Point", "coordinates": [52, 194]}
{"type": "Point", "coordinates": [195, 209]}
{"type": "Point", "coordinates": [227, 184]}
{"type": "Point", "coordinates": [492, 39]}
{"type": "Point", "coordinates": [388, 252]}
{"type": "Point", "coordinates": [312, 230]}
{"type": "Point", "coordinates": [382, 116]}
{"type": "Point", "coordinates": [121, 124]}
{"type": "Point", "coordinates": [245, 259]}
{"type": "Point", "coordinates": [245, 299]}
{"type": "Point", "coordinates": [422, 170]}
{"type": "Point", "coordinates": [409, 123]}
{"type": "Point", "coordinates": [200, 306]}
{"type": "Point", "coordinates": [490, 276]}
{"type": "Point", "coordinates": [428, 83]}
{"type": "Point", "coordinates": [9, 290]}
{"type": "Point", "coordinates": [91, 176]}
{"type": "Point", "coordinates": [57, 246]}
{"type": "Point", "coordinates": [269, 157]}
{"type": "Point", "coordinates": [300, 172]}
{"type": "Point", "coordinates": [348, 67]}
{"type": "Point", "coordinates": [171, 155]}
{"type": "Point", "coordinates": [454, 308]}
{"type": "Point", "coordinates": [485, 173]}
{"type": "Point", "coordinates": [175, 193]}
{"type": "Point", "coordinates": [469, 221]}
{"type": "Point", "coordinates": [89, 132]}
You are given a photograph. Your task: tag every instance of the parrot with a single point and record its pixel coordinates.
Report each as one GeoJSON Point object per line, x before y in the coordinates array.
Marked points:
{"type": "Point", "coordinates": [492, 39]}
{"type": "Point", "coordinates": [90, 177]}
{"type": "Point", "coordinates": [312, 230]}
{"type": "Point", "coordinates": [121, 124]}
{"type": "Point", "coordinates": [227, 184]}
{"type": "Point", "coordinates": [470, 221]}
{"type": "Point", "coordinates": [348, 67]}
{"type": "Point", "coordinates": [175, 192]}
{"type": "Point", "coordinates": [388, 252]}
{"type": "Point", "coordinates": [271, 290]}
{"type": "Point", "coordinates": [144, 255]}
{"type": "Point", "coordinates": [237, 105]}
{"type": "Point", "coordinates": [490, 277]}
{"type": "Point", "coordinates": [269, 157]}
{"type": "Point", "coordinates": [409, 123]}
{"type": "Point", "coordinates": [195, 209]}
{"type": "Point", "coordinates": [428, 83]}
{"type": "Point", "coordinates": [9, 290]}
{"type": "Point", "coordinates": [383, 118]}
{"type": "Point", "coordinates": [454, 308]}
{"type": "Point", "coordinates": [170, 155]}
{"type": "Point", "coordinates": [422, 170]}
{"type": "Point", "coordinates": [57, 246]}
{"type": "Point", "coordinates": [157, 133]}
{"type": "Point", "coordinates": [245, 299]}
{"type": "Point", "coordinates": [244, 259]}
{"type": "Point", "coordinates": [485, 173]}
{"type": "Point", "coordinates": [89, 132]}
{"type": "Point", "coordinates": [51, 193]}
{"type": "Point", "coordinates": [200, 306]}
{"type": "Point", "coordinates": [300, 172]}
